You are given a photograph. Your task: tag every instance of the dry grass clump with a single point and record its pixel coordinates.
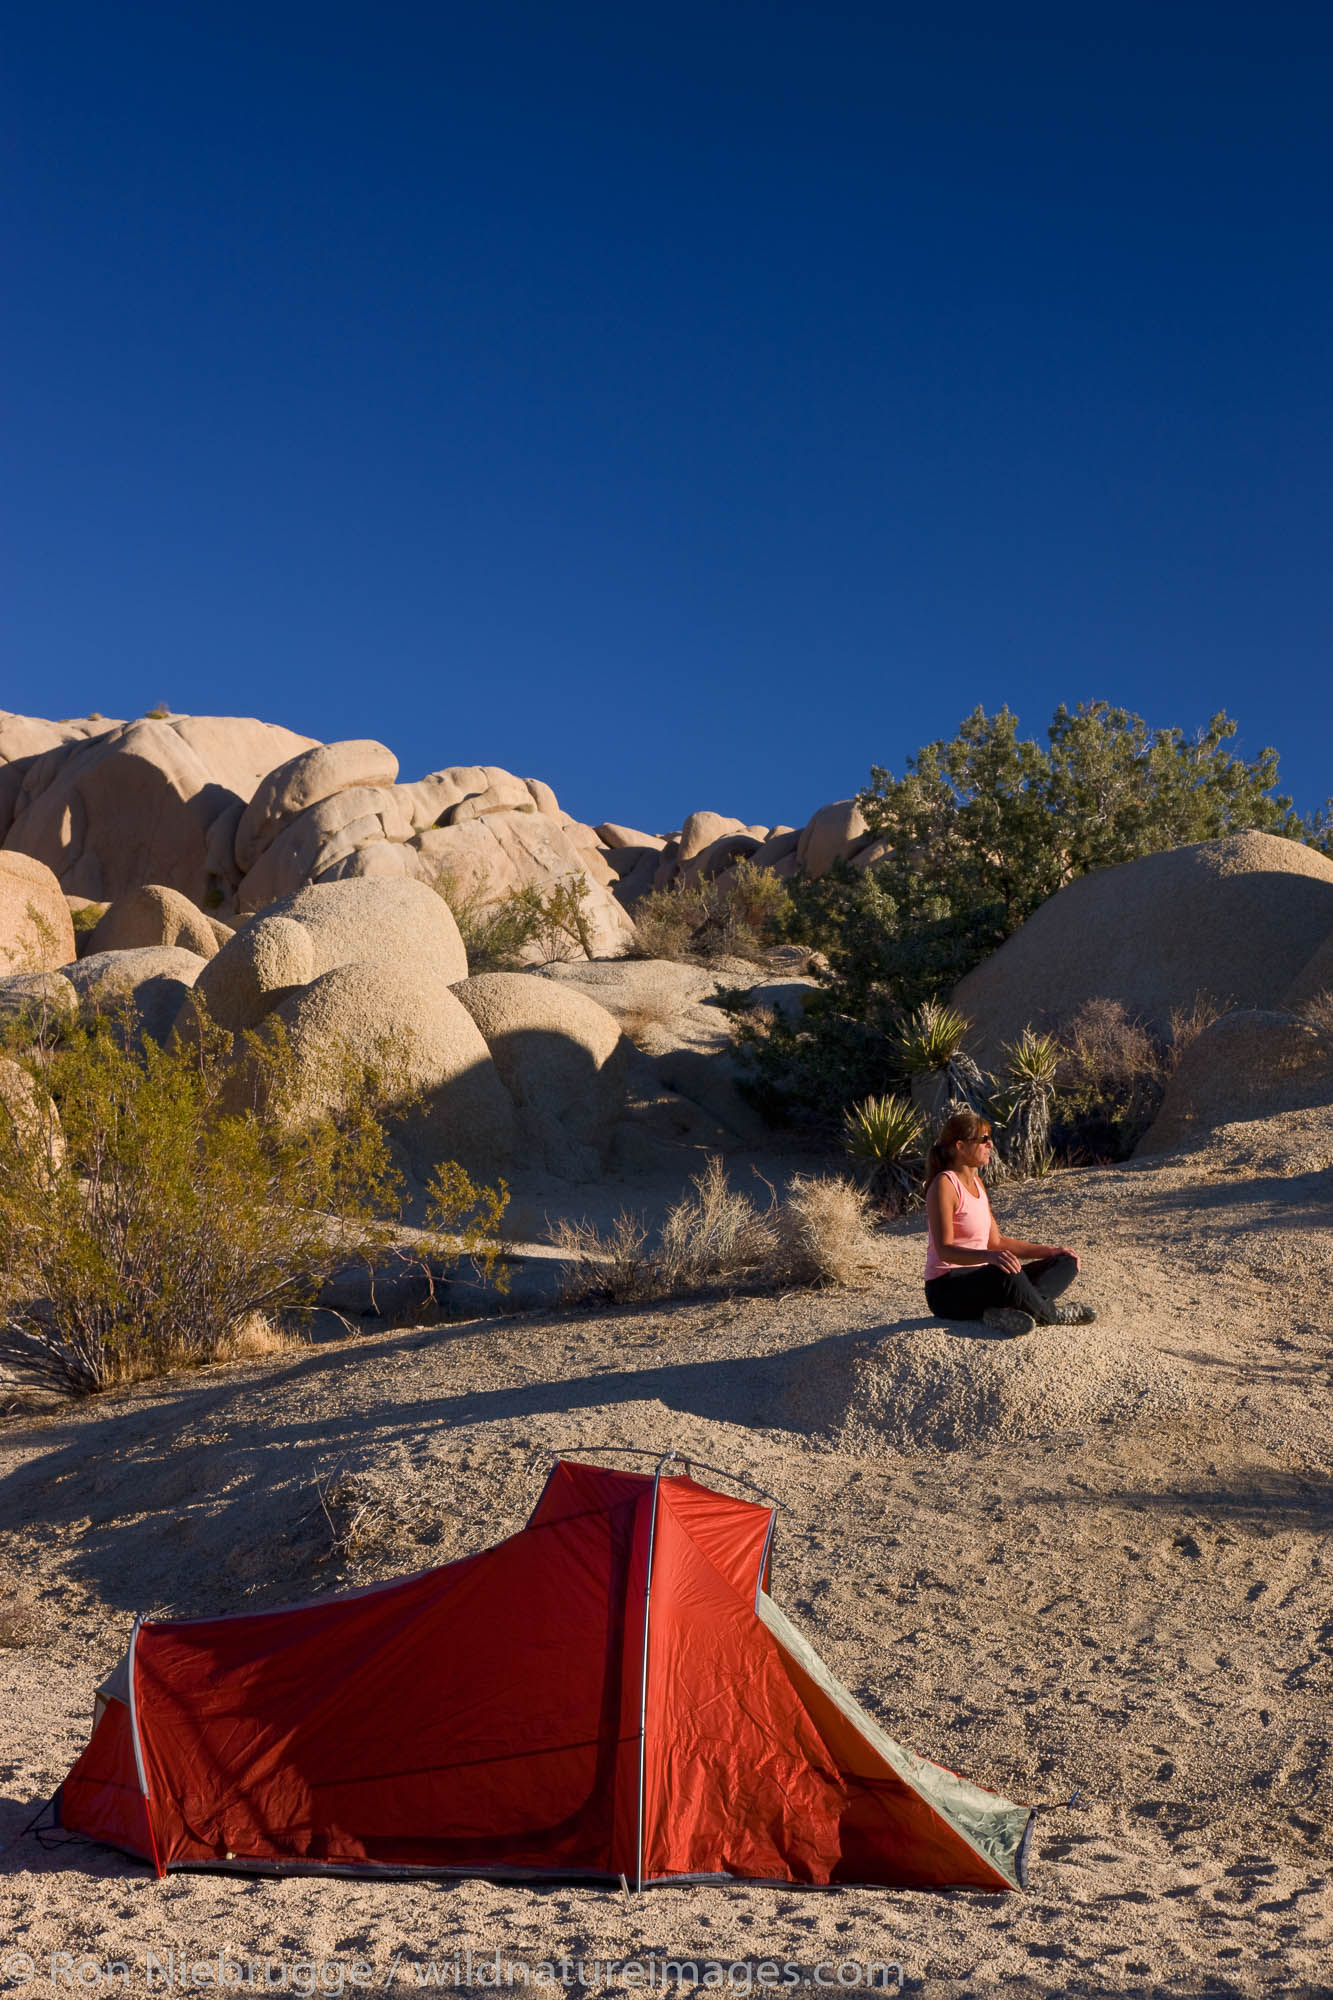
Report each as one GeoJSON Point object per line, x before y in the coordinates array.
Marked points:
{"type": "Point", "coordinates": [718, 1236]}
{"type": "Point", "coordinates": [1318, 1011]}
{"type": "Point", "coordinates": [824, 1223]}
{"type": "Point", "coordinates": [1188, 1023]}
{"type": "Point", "coordinates": [256, 1338]}
{"type": "Point", "coordinates": [644, 1023]}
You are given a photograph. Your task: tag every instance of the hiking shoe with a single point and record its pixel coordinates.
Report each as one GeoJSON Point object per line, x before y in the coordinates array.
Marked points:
{"type": "Point", "coordinates": [1079, 1315]}
{"type": "Point", "coordinates": [1008, 1320]}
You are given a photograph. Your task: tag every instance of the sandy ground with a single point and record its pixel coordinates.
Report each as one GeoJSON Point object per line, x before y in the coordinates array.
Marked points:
{"type": "Point", "coordinates": [1093, 1570]}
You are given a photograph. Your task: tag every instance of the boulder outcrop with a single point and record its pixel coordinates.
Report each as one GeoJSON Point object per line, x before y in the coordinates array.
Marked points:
{"type": "Point", "coordinates": [670, 1013]}
{"type": "Point", "coordinates": [155, 915]}
{"type": "Point", "coordinates": [445, 1097]}
{"type": "Point", "coordinates": [486, 858]}
{"type": "Point", "coordinates": [305, 781]}
{"type": "Point", "coordinates": [36, 928]}
{"type": "Point", "coordinates": [1250, 1064]}
{"type": "Point", "coordinates": [834, 833]}
{"type": "Point", "coordinates": [562, 1059]}
{"type": "Point", "coordinates": [1236, 920]}
{"type": "Point", "coordinates": [398, 926]}
{"type": "Point", "coordinates": [1314, 979]}
{"type": "Point", "coordinates": [137, 803]}
{"type": "Point", "coordinates": [154, 982]}
{"type": "Point", "coordinates": [331, 840]}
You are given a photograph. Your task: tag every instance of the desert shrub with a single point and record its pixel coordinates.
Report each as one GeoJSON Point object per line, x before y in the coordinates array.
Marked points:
{"type": "Point", "coordinates": [823, 1226]}
{"type": "Point", "coordinates": [737, 915]}
{"type": "Point", "coordinates": [714, 1236]}
{"type": "Point", "coordinates": [1110, 1078]}
{"type": "Point", "coordinates": [665, 923]}
{"type": "Point", "coordinates": [885, 1132]}
{"type": "Point", "coordinates": [1318, 1011]}
{"type": "Point", "coordinates": [87, 917]}
{"type": "Point", "coordinates": [1188, 1023]}
{"type": "Point", "coordinates": [168, 1196]}
{"type": "Point", "coordinates": [527, 925]}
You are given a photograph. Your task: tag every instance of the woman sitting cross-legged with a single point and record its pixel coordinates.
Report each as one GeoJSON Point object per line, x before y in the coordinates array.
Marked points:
{"type": "Point", "coordinates": [972, 1272]}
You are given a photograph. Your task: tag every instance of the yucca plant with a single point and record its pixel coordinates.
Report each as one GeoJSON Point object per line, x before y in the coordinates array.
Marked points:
{"type": "Point", "coordinates": [1028, 1088]}
{"type": "Point", "coordinates": [886, 1133]}
{"type": "Point", "coordinates": [931, 1045]}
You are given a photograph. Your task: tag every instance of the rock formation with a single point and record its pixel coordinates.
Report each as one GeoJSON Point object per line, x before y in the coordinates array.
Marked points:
{"type": "Point", "coordinates": [235, 815]}
{"type": "Point", "coordinates": [36, 929]}
{"type": "Point", "coordinates": [1250, 1064]}
{"type": "Point", "coordinates": [1236, 920]}
{"type": "Point", "coordinates": [563, 1061]}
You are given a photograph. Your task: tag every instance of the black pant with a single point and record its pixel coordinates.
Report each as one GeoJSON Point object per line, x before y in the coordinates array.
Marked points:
{"type": "Point", "coordinates": [969, 1293]}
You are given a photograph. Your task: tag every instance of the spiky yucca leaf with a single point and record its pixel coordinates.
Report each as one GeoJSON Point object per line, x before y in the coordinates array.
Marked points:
{"type": "Point", "coordinates": [932, 1037]}
{"type": "Point", "coordinates": [1033, 1059]}
{"type": "Point", "coordinates": [882, 1129]}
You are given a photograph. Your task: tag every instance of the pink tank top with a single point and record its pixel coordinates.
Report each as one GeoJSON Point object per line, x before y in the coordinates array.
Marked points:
{"type": "Point", "coordinates": [971, 1228]}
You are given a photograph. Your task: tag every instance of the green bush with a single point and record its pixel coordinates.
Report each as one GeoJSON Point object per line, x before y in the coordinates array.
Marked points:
{"type": "Point", "coordinates": [1110, 1078]}
{"type": "Point", "coordinates": [527, 924]}
{"type": "Point", "coordinates": [980, 831]}
{"type": "Point", "coordinates": [153, 1199]}
{"type": "Point", "coordinates": [738, 914]}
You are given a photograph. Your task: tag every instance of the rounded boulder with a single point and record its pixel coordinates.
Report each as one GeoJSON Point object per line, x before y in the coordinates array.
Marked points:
{"type": "Point", "coordinates": [305, 781]}
{"type": "Point", "coordinates": [1235, 920]}
{"type": "Point", "coordinates": [562, 1059]}
{"type": "Point", "coordinates": [154, 981]}
{"type": "Point", "coordinates": [400, 925]}
{"type": "Point", "coordinates": [1254, 1063]}
{"type": "Point", "coordinates": [834, 833]}
{"type": "Point", "coordinates": [36, 929]}
{"type": "Point", "coordinates": [154, 915]}
{"type": "Point", "coordinates": [445, 1099]}
{"type": "Point", "coordinates": [264, 962]}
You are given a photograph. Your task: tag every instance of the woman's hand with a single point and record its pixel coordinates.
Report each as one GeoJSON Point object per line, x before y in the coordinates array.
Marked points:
{"type": "Point", "coordinates": [1004, 1260]}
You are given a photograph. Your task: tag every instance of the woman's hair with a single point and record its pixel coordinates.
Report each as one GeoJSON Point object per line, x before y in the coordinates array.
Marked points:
{"type": "Point", "coordinates": [955, 1131]}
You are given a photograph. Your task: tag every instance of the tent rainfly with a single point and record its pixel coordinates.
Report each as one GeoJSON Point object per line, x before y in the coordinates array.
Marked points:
{"type": "Point", "coordinates": [610, 1692]}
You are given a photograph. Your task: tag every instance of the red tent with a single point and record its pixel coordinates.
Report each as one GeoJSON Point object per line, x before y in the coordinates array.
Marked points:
{"type": "Point", "coordinates": [608, 1692]}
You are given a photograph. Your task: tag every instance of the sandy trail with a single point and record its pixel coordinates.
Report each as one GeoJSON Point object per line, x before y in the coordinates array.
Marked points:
{"type": "Point", "coordinates": [1094, 1574]}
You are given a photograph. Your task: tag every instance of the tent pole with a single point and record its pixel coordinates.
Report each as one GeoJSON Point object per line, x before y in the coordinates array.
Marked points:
{"type": "Point", "coordinates": [137, 1743]}
{"type": "Point", "coordinates": [643, 1669]}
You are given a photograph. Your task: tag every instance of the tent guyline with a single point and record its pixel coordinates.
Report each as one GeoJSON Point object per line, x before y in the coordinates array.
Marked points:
{"type": "Point", "coordinates": [608, 1694]}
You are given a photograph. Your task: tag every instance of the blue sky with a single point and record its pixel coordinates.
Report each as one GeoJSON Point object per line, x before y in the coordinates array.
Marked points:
{"type": "Point", "coordinates": [689, 405]}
